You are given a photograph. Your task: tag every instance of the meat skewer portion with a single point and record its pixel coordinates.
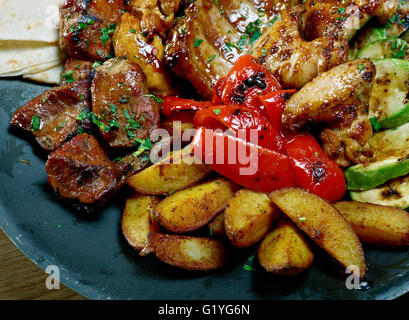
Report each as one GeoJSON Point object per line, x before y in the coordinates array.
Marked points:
{"type": "Point", "coordinates": [81, 171]}
{"type": "Point", "coordinates": [124, 109]}
{"type": "Point", "coordinates": [55, 116]}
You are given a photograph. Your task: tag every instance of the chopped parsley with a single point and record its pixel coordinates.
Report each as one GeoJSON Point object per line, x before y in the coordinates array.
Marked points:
{"type": "Point", "coordinates": [106, 32]}
{"type": "Point", "coordinates": [68, 77]}
{"type": "Point", "coordinates": [60, 126]}
{"type": "Point", "coordinates": [197, 42]}
{"type": "Point", "coordinates": [159, 100]}
{"type": "Point", "coordinates": [217, 111]}
{"type": "Point", "coordinates": [35, 123]}
{"type": "Point", "coordinates": [248, 268]}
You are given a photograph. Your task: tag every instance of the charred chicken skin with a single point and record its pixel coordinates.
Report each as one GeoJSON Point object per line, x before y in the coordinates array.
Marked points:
{"type": "Point", "coordinates": [338, 98]}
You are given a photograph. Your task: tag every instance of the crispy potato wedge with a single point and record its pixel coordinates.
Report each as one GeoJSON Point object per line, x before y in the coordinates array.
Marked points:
{"type": "Point", "coordinates": [323, 224]}
{"type": "Point", "coordinates": [248, 217]}
{"type": "Point", "coordinates": [216, 227]}
{"type": "Point", "coordinates": [375, 224]}
{"type": "Point", "coordinates": [188, 252]}
{"type": "Point", "coordinates": [175, 172]}
{"type": "Point", "coordinates": [192, 208]}
{"type": "Point", "coordinates": [284, 251]}
{"type": "Point", "coordinates": [137, 222]}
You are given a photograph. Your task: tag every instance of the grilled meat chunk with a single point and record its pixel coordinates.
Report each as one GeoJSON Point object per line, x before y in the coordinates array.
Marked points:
{"type": "Point", "coordinates": [156, 16]}
{"type": "Point", "coordinates": [206, 42]}
{"type": "Point", "coordinates": [340, 99]}
{"type": "Point", "coordinates": [132, 164]}
{"type": "Point", "coordinates": [123, 108]}
{"type": "Point", "coordinates": [76, 70]}
{"type": "Point", "coordinates": [342, 19]}
{"type": "Point", "coordinates": [291, 59]}
{"type": "Point", "coordinates": [53, 117]}
{"type": "Point", "coordinates": [81, 171]}
{"type": "Point", "coordinates": [132, 43]}
{"type": "Point", "coordinates": [86, 27]}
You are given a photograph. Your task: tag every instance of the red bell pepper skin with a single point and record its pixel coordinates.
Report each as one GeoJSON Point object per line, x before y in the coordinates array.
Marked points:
{"type": "Point", "coordinates": [174, 104]}
{"type": "Point", "coordinates": [239, 118]}
{"type": "Point", "coordinates": [313, 170]}
{"type": "Point", "coordinates": [264, 171]}
{"type": "Point", "coordinates": [247, 80]}
{"type": "Point", "coordinates": [274, 103]}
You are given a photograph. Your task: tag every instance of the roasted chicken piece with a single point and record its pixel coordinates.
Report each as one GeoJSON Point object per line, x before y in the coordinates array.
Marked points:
{"type": "Point", "coordinates": [206, 42]}
{"type": "Point", "coordinates": [130, 42]}
{"type": "Point", "coordinates": [343, 18]}
{"type": "Point", "coordinates": [123, 108]}
{"type": "Point", "coordinates": [156, 16]}
{"type": "Point", "coordinates": [81, 171]}
{"type": "Point", "coordinates": [55, 116]}
{"type": "Point", "coordinates": [86, 27]}
{"type": "Point", "coordinates": [340, 99]}
{"type": "Point", "coordinates": [291, 59]}
{"type": "Point", "coordinates": [76, 70]}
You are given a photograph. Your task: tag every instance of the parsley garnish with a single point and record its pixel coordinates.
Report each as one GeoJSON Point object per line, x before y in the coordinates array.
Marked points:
{"type": "Point", "coordinates": [35, 123]}
{"type": "Point", "coordinates": [375, 123]}
{"type": "Point", "coordinates": [197, 42]}
{"type": "Point", "coordinates": [68, 77]}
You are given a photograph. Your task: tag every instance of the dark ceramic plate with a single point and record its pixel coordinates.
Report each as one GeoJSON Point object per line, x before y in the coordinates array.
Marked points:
{"type": "Point", "coordinates": [95, 260]}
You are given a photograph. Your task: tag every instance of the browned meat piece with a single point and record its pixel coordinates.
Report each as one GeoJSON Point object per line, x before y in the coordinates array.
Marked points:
{"type": "Point", "coordinates": [132, 164]}
{"type": "Point", "coordinates": [122, 104]}
{"type": "Point", "coordinates": [55, 116]}
{"type": "Point", "coordinates": [130, 42]}
{"type": "Point", "coordinates": [292, 60]}
{"type": "Point", "coordinates": [340, 99]}
{"type": "Point", "coordinates": [87, 26]}
{"type": "Point", "coordinates": [81, 171]}
{"type": "Point", "coordinates": [343, 18]}
{"type": "Point", "coordinates": [156, 16]}
{"type": "Point", "coordinates": [76, 70]}
{"type": "Point", "coordinates": [206, 42]}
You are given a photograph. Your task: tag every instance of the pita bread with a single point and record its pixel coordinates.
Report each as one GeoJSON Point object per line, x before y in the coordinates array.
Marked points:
{"type": "Point", "coordinates": [33, 20]}
{"type": "Point", "coordinates": [19, 57]}
{"type": "Point", "coordinates": [51, 76]}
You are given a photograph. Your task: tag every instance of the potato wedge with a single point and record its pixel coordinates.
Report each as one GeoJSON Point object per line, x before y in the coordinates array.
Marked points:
{"type": "Point", "coordinates": [248, 217]}
{"type": "Point", "coordinates": [192, 208]}
{"type": "Point", "coordinates": [323, 224]}
{"type": "Point", "coordinates": [375, 224]}
{"type": "Point", "coordinates": [284, 251]}
{"type": "Point", "coordinates": [188, 252]}
{"type": "Point", "coordinates": [216, 227]}
{"type": "Point", "coordinates": [167, 176]}
{"type": "Point", "coordinates": [137, 222]}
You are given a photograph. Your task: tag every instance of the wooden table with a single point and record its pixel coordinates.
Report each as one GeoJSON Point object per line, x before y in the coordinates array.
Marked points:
{"type": "Point", "coordinates": [22, 279]}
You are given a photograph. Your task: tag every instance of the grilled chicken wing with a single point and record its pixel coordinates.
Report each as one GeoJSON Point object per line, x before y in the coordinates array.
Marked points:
{"type": "Point", "coordinates": [343, 18]}
{"type": "Point", "coordinates": [81, 171]}
{"type": "Point", "coordinates": [121, 103]}
{"type": "Point", "coordinates": [339, 98]}
{"type": "Point", "coordinates": [290, 58]}
{"type": "Point", "coordinates": [86, 27]}
{"type": "Point", "coordinates": [53, 117]}
{"type": "Point", "coordinates": [206, 42]}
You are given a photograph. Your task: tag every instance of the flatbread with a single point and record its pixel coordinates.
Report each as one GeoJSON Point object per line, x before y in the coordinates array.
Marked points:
{"type": "Point", "coordinates": [17, 57]}
{"type": "Point", "coordinates": [50, 76]}
{"type": "Point", "coordinates": [34, 20]}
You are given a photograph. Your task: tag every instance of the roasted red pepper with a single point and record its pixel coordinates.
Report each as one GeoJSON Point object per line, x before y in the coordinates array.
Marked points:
{"type": "Point", "coordinates": [313, 169]}
{"type": "Point", "coordinates": [274, 103]}
{"type": "Point", "coordinates": [247, 80]}
{"type": "Point", "coordinates": [238, 118]}
{"type": "Point", "coordinates": [174, 104]}
{"type": "Point", "coordinates": [249, 165]}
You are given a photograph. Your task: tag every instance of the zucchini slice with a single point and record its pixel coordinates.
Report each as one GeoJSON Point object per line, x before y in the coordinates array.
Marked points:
{"type": "Point", "coordinates": [385, 48]}
{"type": "Point", "coordinates": [394, 194]}
{"type": "Point", "coordinates": [390, 160]}
{"type": "Point", "coordinates": [389, 101]}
